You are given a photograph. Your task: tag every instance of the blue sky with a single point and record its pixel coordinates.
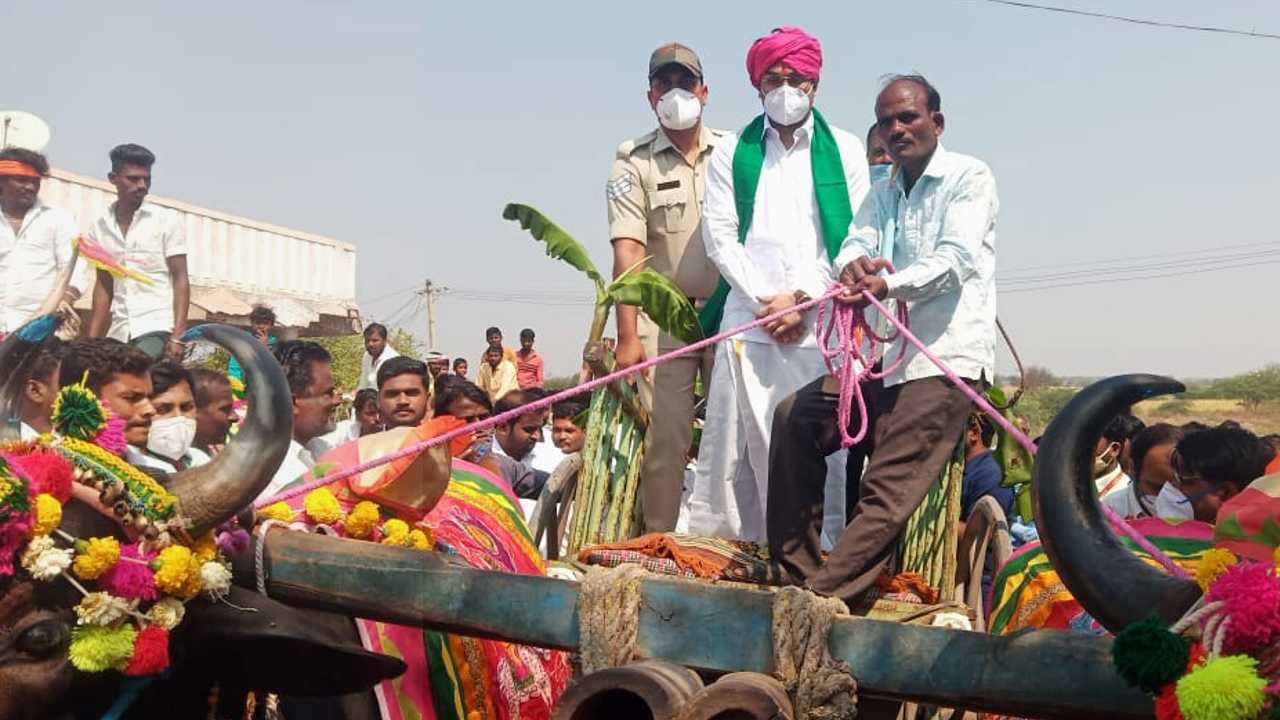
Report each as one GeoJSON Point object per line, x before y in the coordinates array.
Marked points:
{"type": "Point", "coordinates": [404, 127]}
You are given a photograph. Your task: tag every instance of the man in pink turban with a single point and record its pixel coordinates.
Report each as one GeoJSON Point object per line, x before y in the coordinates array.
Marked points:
{"type": "Point", "coordinates": [778, 204]}
{"type": "Point", "coordinates": [790, 46]}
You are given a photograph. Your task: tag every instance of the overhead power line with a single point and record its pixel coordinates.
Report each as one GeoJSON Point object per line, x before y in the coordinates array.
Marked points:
{"type": "Point", "coordinates": [1133, 20]}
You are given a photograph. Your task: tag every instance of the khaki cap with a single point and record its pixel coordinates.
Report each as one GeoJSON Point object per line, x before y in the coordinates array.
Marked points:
{"type": "Point", "coordinates": [675, 54]}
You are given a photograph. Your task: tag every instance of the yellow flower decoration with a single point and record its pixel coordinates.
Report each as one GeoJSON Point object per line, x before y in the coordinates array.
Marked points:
{"type": "Point", "coordinates": [322, 507]}
{"type": "Point", "coordinates": [277, 511]}
{"type": "Point", "coordinates": [175, 567]}
{"type": "Point", "coordinates": [48, 514]}
{"type": "Point", "coordinates": [95, 557]}
{"type": "Point", "coordinates": [362, 520]}
{"type": "Point", "coordinates": [420, 540]}
{"type": "Point", "coordinates": [206, 548]}
{"type": "Point", "coordinates": [395, 532]}
{"type": "Point", "coordinates": [1212, 564]}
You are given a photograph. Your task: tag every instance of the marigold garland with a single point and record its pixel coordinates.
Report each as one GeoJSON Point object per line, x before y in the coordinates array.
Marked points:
{"type": "Point", "coordinates": [362, 519]}
{"type": "Point", "coordinates": [395, 532]}
{"type": "Point", "coordinates": [177, 569]}
{"type": "Point", "coordinates": [1211, 566]}
{"type": "Point", "coordinates": [322, 507]}
{"type": "Point", "coordinates": [48, 514]}
{"type": "Point", "coordinates": [96, 556]}
{"type": "Point", "coordinates": [277, 511]}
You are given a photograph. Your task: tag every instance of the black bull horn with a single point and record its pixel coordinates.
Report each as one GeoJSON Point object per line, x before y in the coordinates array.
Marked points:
{"type": "Point", "coordinates": [214, 492]}
{"type": "Point", "coordinates": [1104, 576]}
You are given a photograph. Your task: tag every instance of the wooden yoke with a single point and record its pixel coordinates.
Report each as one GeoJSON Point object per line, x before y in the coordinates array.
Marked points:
{"type": "Point", "coordinates": [1046, 674]}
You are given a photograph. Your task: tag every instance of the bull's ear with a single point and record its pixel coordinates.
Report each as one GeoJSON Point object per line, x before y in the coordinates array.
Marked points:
{"type": "Point", "coordinates": [276, 648]}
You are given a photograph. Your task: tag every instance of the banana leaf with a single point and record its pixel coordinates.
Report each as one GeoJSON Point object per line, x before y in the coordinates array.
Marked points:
{"type": "Point", "coordinates": [660, 299]}
{"type": "Point", "coordinates": [560, 244]}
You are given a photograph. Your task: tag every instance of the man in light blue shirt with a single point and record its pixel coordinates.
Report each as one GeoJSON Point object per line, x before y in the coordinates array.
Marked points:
{"type": "Point", "coordinates": [937, 212]}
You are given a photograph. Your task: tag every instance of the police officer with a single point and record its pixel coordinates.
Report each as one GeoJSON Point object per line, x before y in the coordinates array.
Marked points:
{"type": "Point", "coordinates": [655, 209]}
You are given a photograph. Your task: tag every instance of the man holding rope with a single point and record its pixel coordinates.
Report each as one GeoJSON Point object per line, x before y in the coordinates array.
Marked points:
{"type": "Point", "coordinates": [779, 201]}
{"type": "Point", "coordinates": [934, 218]}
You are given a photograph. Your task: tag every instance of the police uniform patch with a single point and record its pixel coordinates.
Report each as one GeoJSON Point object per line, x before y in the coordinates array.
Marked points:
{"type": "Point", "coordinates": [618, 187]}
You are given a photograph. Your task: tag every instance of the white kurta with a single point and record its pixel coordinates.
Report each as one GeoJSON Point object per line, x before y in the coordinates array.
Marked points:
{"type": "Point", "coordinates": [784, 252]}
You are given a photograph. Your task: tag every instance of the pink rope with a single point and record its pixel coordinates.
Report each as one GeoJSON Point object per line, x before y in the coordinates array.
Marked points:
{"type": "Point", "coordinates": [1116, 521]}
{"type": "Point", "coordinates": [850, 324]}
{"type": "Point", "coordinates": [542, 404]}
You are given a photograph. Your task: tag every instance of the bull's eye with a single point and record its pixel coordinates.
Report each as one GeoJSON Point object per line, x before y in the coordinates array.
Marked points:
{"type": "Point", "coordinates": [45, 638]}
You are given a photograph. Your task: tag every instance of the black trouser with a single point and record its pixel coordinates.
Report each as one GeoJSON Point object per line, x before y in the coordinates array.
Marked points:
{"type": "Point", "coordinates": [916, 425]}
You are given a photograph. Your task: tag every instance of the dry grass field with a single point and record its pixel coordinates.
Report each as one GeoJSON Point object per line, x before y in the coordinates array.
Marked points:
{"type": "Point", "coordinates": [1263, 420]}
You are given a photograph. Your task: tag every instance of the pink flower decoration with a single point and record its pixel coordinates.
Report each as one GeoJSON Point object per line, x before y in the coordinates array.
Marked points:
{"type": "Point", "coordinates": [131, 580]}
{"type": "Point", "coordinates": [1251, 596]}
{"type": "Point", "coordinates": [111, 436]}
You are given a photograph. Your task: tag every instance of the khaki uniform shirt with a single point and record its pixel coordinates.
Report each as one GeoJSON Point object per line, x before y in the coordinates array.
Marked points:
{"type": "Point", "coordinates": [655, 198]}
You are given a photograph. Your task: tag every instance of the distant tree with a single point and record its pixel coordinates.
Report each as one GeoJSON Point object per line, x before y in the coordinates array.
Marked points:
{"type": "Point", "coordinates": [562, 382]}
{"type": "Point", "coordinates": [1038, 377]}
{"type": "Point", "coordinates": [1252, 389]}
{"type": "Point", "coordinates": [348, 351]}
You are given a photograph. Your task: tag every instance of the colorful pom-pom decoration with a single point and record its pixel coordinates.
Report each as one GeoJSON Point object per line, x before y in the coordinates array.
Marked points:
{"type": "Point", "coordinates": [395, 532]}
{"type": "Point", "coordinates": [1167, 704]}
{"type": "Point", "coordinates": [419, 540]}
{"type": "Point", "coordinates": [322, 507]}
{"type": "Point", "coordinates": [1148, 656]}
{"type": "Point", "coordinates": [111, 436]}
{"type": "Point", "coordinates": [131, 580]}
{"type": "Point", "coordinates": [1224, 687]}
{"type": "Point", "coordinates": [1212, 564]}
{"type": "Point", "coordinates": [95, 648]}
{"type": "Point", "coordinates": [77, 412]}
{"type": "Point", "coordinates": [150, 652]}
{"type": "Point", "coordinates": [46, 472]}
{"type": "Point", "coordinates": [1250, 593]}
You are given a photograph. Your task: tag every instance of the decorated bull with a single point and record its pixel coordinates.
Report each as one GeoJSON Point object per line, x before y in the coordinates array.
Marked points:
{"type": "Point", "coordinates": [116, 600]}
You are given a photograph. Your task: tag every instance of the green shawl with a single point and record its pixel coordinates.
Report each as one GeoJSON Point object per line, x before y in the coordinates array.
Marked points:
{"type": "Point", "coordinates": [829, 186]}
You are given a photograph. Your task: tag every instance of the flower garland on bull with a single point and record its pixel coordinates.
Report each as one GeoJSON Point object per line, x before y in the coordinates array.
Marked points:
{"type": "Point", "coordinates": [1221, 660]}
{"type": "Point", "coordinates": [476, 520]}
{"type": "Point", "coordinates": [133, 594]}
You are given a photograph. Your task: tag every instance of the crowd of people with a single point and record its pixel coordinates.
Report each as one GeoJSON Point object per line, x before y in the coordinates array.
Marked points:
{"type": "Point", "coordinates": [748, 225]}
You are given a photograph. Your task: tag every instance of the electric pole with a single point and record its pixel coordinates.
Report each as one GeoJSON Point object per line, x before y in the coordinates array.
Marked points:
{"type": "Point", "coordinates": [430, 292]}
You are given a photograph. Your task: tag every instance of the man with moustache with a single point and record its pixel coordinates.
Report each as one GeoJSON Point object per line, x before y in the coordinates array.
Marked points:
{"type": "Point", "coordinates": [943, 206]}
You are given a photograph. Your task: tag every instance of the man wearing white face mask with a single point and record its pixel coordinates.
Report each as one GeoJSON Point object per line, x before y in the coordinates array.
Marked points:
{"type": "Point", "coordinates": [173, 427]}
{"type": "Point", "coordinates": [780, 199]}
{"type": "Point", "coordinates": [654, 197]}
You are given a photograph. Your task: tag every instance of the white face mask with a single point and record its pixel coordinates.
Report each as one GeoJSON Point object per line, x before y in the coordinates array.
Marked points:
{"type": "Point", "coordinates": [1171, 504]}
{"type": "Point", "coordinates": [679, 109]}
{"type": "Point", "coordinates": [880, 173]}
{"type": "Point", "coordinates": [171, 437]}
{"type": "Point", "coordinates": [786, 105]}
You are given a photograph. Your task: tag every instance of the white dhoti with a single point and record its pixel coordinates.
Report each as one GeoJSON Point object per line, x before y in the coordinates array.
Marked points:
{"type": "Point", "coordinates": [731, 483]}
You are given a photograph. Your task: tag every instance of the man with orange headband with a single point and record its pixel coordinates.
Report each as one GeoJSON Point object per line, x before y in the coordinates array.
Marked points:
{"type": "Point", "coordinates": [35, 239]}
{"type": "Point", "coordinates": [151, 240]}
{"type": "Point", "coordinates": [779, 200]}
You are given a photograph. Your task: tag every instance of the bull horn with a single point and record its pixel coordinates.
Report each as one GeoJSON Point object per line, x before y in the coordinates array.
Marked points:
{"type": "Point", "coordinates": [18, 353]}
{"type": "Point", "coordinates": [214, 492]}
{"type": "Point", "coordinates": [1108, 580]}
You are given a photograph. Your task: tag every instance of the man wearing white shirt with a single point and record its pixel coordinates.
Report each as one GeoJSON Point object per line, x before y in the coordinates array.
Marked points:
{"type": "Point", "coordinates": [778, 202]}
{"type": "Point", "coordinates": [941, 208]}
{"type": "Point", "coordinates": [35, 239]}
{"type": "Point", "coordinates": [308, 369]}
{"type": "Point", "coordinates": [149, 240]}
{"type": "Point", "coordinates": [376, 352]}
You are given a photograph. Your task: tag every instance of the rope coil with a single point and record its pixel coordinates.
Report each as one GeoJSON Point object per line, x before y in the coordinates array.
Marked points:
{"type": "Point", "coordinates": [820, 686]}
{"type": "Point", "coordinates": [609, 616]}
